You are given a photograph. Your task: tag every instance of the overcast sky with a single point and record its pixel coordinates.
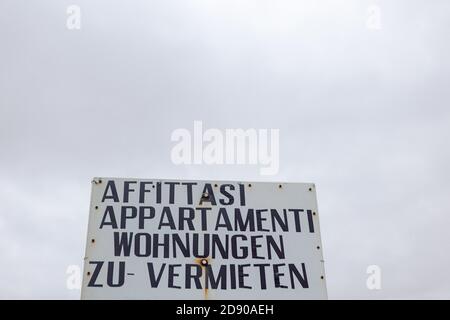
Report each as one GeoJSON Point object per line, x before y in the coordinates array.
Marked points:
{"type": "Point", "coordinates": [363, 112]}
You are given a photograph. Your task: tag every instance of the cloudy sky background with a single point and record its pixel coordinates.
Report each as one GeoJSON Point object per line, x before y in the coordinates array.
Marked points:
{"type": "Point", "coordinates": [362, 113]}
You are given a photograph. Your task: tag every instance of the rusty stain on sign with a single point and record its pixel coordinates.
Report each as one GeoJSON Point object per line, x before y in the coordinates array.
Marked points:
{"type": "Point", "coordinates": [204, 262]}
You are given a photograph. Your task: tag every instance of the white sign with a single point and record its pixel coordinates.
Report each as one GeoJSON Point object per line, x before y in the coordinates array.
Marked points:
{"type": "Point", "coordinates": [170, 239]}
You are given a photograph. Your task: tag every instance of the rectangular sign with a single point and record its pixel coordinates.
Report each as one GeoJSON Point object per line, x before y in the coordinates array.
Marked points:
{"type": "Point", "coordinates": [172, 239]}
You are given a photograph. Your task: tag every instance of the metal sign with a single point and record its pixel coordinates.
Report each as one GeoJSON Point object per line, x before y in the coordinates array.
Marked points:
{"type": "Point", "coordinates": [169, 239]}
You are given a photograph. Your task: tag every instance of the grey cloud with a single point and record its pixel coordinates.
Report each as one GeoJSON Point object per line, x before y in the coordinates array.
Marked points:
{"type": "Point", "coordinates": [362, 113]}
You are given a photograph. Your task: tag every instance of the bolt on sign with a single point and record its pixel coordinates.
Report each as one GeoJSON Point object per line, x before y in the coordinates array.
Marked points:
{"type": "Point", "coordinates": [171, 239]}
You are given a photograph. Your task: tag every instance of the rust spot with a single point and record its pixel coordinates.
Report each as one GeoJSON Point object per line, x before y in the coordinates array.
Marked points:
{"type": "Point", "coordinates": [205, 289]}
{"type": "Point", "coordinates": [204, 262]}
{"type": "Point", "coordinates": [205, 198]}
